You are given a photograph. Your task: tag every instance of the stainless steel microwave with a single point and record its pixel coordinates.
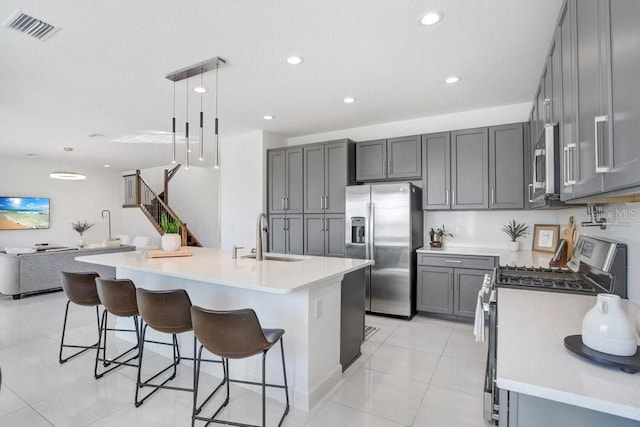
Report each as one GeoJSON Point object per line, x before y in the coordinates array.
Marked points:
{"type": "Point", "coordinates": [545, 184]}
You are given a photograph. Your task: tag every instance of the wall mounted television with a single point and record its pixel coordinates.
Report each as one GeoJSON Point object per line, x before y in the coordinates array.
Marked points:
{"type": "Point", "coordinates": [24, 213]}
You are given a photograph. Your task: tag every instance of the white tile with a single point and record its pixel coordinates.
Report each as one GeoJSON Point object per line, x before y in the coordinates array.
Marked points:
{"type": "Point", "coordinates": [403, 362]}
{"type": "Point", "coordinates": [88, 403]}
{"type": "Point", "coordinates": [444, 407]}
{"type": "Point", "coordinates": [23, 417]}
{"type": "Point", "coordinates": [159, 411]}
{"type": "Point", "coordinates": [384, 395]}
{"type": "Point", "coordinates": [462, 344]}
{"type": "Point", "coordinates": [9, 401]}
{"type": "Point", "coordinates": [333, 414]}
{"type": "Point", "coordinates": [427, 337]}
{"type": "Point", "coordinates": [459, 374]}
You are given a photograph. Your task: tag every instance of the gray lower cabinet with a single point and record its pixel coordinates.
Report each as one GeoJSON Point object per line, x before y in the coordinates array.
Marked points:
{"type": "Point", "coordinates": [394, 158]}
{"type": "Point", "coordinates": [506, 165]}
{"type": "Point", "coordinates": [286, 234]}
{"type": "Point", "coordinates": [284, 180]}
{"type": "Point", "coordinates": [324, 235]}
{"type": "Point", "coordinates": [450, 284]}
{"type": "Point", "coordinates": [470, 169]}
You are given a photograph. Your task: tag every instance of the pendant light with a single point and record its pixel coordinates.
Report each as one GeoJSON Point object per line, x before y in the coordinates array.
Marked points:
{"type": "Point", "coordinates": [186, 130]}
{"type": "Point", "coordinates": [173, 125]}
{"type": "Point", "coordinates": [201, 158]}
{"type": "Point", "coordinates": [186, 73]}
{"type": "Point", "coordinates": [216, 143]}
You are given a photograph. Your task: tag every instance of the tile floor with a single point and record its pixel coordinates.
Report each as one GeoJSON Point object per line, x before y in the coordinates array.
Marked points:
{"type": "Point", "coordinates": [425, 372]}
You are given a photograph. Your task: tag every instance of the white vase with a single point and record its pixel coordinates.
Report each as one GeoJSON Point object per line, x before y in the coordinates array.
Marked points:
{"type": "Point", "coordinates": [514, 246]}
{"type": "Point", "coordinates": [81, 242]}
{"type": "Point", "coordinates": [171, 242]}
{"type": "Point", "coordinates": [607, 328]}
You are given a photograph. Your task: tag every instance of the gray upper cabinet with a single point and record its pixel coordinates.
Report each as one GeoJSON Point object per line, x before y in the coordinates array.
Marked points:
{"type": "Point", "coordinates": [403, 156]}
{"type": "Point", "coordinates": [554, 66]}
{"type": "Point", "coordinates": [395, 158]}
{"type": "Point", "coordinates": [326, 174]}
{"type": "Point", "coordinates": [593, 96]}
{"type": "Point", "coordinates": [284, 180]}
{"type": "Point", "coordinates": [506, 165]}
{"type": "Point", "coordinates": [565, 43]}
{"type": "Point", "coordinates": [436, 176]}
{"type": "Point", "coordinates": [371, 160]}
{"type": "Point", "coordinates": [623, 159]}
{"type": "Point", "coordinates": [470, 169]}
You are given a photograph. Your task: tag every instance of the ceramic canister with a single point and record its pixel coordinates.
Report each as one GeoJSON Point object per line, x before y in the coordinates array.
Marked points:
{"type": "Point", "coordinates": [607, 328]}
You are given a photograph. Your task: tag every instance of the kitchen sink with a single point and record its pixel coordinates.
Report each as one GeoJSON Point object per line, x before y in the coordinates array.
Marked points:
{"type": "Point", "coordinates": [273, 258]}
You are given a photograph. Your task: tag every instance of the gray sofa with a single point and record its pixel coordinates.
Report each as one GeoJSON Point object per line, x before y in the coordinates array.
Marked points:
{"type": "Point", "coordinates": [40, 271]}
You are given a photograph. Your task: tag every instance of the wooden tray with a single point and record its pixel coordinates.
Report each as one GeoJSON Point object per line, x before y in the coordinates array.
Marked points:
{"type": "Point", "coordinates": [168, 254]}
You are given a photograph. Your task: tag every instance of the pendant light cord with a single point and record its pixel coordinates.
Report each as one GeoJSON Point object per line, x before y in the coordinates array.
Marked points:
{"type": "Point", "coordinates": [187, 127]}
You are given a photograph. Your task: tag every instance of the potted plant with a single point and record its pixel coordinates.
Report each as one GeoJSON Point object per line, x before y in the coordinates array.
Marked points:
{"type": "Point", "coordinates": [437, 236]}
{"type": "Point", "coordinates": [515, 230]}
{"type": "Point", "coordinates": [81, 227]}
{"type": "Point", "coordinates": [170, 238]}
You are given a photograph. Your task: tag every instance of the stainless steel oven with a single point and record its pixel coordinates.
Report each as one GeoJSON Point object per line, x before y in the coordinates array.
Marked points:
{"type": "Point", "coordinates": [597, 266]}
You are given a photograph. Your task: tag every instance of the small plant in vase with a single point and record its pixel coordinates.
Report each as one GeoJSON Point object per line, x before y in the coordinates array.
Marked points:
{"type": "Point", "coordinates": [171, 238]}
{"type": "Point", "coordinates": [437, 236]}
{"type": "Point", "coordinates": [515, 230]}
{"type": "Point", "coordinates": [81, 227]}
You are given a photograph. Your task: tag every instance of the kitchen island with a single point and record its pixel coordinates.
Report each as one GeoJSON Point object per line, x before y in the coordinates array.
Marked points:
{"type": "Point", "coordinates": [543, 383]}
{"type": "Point", "coordinates": [301, 294]}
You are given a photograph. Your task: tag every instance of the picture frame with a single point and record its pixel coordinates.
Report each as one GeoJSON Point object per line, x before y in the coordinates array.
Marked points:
{"type": "Point", "coordinates": [546, 237]}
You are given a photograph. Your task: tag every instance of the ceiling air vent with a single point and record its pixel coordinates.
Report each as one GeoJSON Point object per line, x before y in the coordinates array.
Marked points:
{"type": "Point", "coordinates": [31, 26]}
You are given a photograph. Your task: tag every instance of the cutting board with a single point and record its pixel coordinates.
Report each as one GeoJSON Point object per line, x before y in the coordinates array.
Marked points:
{"type": "Point", "coordinates": [168, 254]}
{"type": "Point", "coordinates": [570, 234]}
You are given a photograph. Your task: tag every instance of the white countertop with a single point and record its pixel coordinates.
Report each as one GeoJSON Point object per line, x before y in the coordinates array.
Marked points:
{"type": "Point", "coordinates": [532, 358]}
{"type": "Point", "coordinates": [216, 266]}
{"type": "Point", "coordinates": [507, 257]}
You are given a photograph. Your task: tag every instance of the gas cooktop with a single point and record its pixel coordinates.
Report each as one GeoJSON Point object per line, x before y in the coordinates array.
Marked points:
{"type": "Point", "coordinates": [544, 279]}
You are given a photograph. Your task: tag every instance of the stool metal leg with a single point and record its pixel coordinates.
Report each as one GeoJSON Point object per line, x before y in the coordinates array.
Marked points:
{"type": "Point", "coordinates": [116, 360]}
{"type": "Point", "coordinates": [83, 347]}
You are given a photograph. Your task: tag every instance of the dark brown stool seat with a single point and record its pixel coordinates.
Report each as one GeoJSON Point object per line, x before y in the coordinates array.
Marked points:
{"type": "Point", "coordinates": [119, 298]}
{"type": "Point", "coordinates": [80, 288]}
{"type": "Point", "coordinates": [168, 312]}
{"type": "Point", "coordinates": [236, 334]}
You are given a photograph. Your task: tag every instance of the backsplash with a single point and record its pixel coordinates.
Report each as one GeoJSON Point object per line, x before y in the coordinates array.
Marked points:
{"type": "Point", "coordinates": [483, 229]}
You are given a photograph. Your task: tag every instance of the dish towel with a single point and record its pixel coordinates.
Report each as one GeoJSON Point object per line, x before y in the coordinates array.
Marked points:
{"type": "Point", "coordinates": [478, 324]}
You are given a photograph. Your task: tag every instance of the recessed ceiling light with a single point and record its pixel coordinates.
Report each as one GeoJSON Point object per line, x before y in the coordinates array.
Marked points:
{"type": "Point", "coordinates": [68, 148]}
{"type": "Point", "coordinates": [200, 89]}
{"type": "Point", "coordinates": [107, 166]}
{"type": "Point", "coordinates": [269, 117]}
{"type": "Point", "coordinates": [452, 80]}
{"type": "Point", "coordinates": [349, 100]}
{"type": "Point", "coordinates": [431, 18]}
{"type": "Point", "coordinates": [294, 60]}
{"type": "Point", "coordinates": [71, 176]}
{"type": "Point", "coordinates": [31, 155]}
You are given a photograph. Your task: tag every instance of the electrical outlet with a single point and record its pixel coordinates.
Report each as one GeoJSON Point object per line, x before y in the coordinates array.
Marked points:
{"type": "Point", "coordinates": [318, 308]}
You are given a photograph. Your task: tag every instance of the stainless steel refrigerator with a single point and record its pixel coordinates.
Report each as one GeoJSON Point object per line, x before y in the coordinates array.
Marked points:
{"type": "Point", "coordinates": [384, 223]}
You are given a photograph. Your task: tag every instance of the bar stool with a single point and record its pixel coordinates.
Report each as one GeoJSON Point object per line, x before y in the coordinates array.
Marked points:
{"type": "Point", "coordinates": [119, 298]}
{"type": "Point", "coordinates": [80, 288]}
{"type": "Point", "coordinates": [236, 334]}
{"type": "Point", "coordinates": [168, 312]}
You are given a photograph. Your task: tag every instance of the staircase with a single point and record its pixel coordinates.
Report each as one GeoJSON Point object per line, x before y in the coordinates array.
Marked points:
{"type": "Point", "coordinates": [138, 194]}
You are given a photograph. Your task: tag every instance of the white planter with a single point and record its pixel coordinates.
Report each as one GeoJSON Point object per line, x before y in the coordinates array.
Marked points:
{"type": "Point", "coordinates": [171, 242]}
{"type": "Point", "coordinates": [514, 246]}
{"type": "Point", "coordinates": [82, 242]}
{"type": "Point", "coordinates": [606, 327]}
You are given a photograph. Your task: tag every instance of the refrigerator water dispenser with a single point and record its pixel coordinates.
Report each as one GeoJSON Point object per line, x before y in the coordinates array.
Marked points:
{"type": "Point", "coordinates": [357, 229]}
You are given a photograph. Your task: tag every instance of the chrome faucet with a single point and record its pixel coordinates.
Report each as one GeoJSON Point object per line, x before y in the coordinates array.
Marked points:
{"type": "Point", "coordinates": [260, 242]}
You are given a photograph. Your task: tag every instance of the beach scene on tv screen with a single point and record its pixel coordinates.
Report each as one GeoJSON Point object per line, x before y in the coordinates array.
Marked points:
{"type": "Point", "coordinates": [24, 213]}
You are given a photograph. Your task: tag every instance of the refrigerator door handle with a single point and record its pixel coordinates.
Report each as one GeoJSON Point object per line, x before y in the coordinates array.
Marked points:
{"type": "Point", "coordinates": [372, 235]}
{"type": "Point", "coordinates": [367, 236]}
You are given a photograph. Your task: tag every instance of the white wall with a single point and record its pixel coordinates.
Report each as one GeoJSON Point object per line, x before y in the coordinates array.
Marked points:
{"type": "Point", "coordinates": [464, 120]}
{"type": "Point", "coordinates": [242, 188]}
{"type": "Point", "coordinates": [70, 201]}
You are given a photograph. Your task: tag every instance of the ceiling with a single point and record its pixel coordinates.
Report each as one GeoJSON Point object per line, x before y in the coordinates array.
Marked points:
{"type": "Point", "coordinates": [104, 72]}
